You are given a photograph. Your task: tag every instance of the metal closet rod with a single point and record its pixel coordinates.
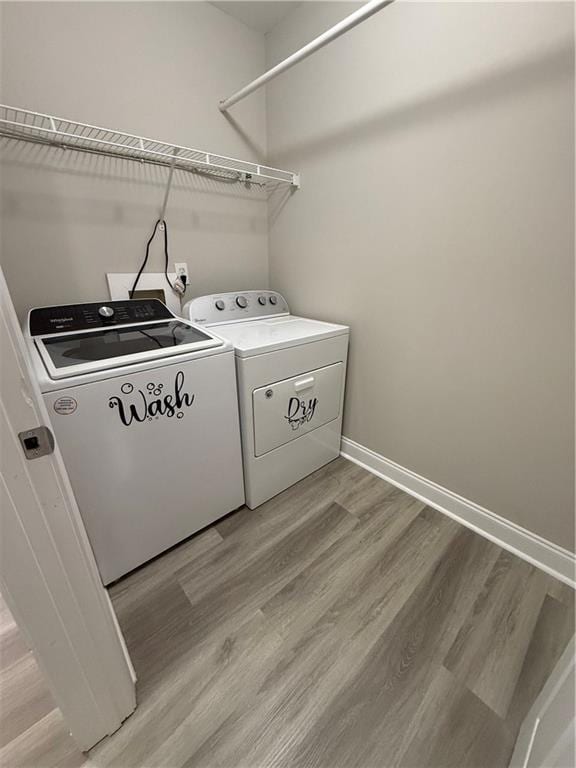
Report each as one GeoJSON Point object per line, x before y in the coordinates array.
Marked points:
{"type": "Point", "coordinates": [319, 42]}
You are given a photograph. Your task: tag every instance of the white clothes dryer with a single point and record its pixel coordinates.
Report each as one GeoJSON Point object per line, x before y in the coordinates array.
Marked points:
{"type": "Point", "coordinates": [145, 413]}
{"type": "Point", "coordinates": [291, 373]}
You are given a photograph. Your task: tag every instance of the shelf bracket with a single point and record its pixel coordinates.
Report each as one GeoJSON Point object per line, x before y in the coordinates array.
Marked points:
{"type": "Point", "coordinates": [168, 185]}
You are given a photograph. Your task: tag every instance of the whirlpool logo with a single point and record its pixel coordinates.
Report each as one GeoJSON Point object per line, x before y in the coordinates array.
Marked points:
{"type": "Point", "coordinates": [139, 405]}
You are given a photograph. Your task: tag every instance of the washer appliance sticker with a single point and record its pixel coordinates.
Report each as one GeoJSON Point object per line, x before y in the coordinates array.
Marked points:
{"type": "Point", "coordinates": [65, 406]}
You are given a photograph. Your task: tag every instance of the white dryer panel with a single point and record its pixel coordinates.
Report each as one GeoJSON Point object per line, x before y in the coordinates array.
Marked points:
{"type": "Point", "coordinates": [234, 307]}
{"type": "Point", "coordinates": [291, 373]}
{"type": "Point", "coordinates": [277, 469]}
{"type": "Point", "coordinates": [289, 409]}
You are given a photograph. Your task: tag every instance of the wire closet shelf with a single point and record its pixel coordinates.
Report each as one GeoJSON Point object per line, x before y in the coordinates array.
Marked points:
{"type": "Point", "coordinates": [24, 125]}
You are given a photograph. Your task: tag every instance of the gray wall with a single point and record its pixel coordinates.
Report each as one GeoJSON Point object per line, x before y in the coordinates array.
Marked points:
{"type": "Point", "coordinates": [436, 145]}
{"type": "Point", "coordinates": [156, 69]}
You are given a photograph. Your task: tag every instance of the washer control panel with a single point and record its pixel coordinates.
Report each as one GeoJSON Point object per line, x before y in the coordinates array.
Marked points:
{"type": "Point", "coordinates": [82, 317]}
{"type": "Point", "coordinates": [232, 307]}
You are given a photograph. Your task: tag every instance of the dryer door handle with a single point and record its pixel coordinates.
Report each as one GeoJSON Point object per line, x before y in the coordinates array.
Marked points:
{"type": "Point", "coordinates": [304, 384]}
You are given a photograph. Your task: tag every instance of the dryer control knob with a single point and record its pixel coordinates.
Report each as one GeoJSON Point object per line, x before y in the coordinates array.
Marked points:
{"type": "Point", "coordinates": [273, 300]}
{"type": "Point", "coordinates": [242, 302]}
{"type": "Point", "coordinates": [220, 305]}
{"type": "Point", "coordinates": [262, 300]}
{"type": "Point", "coordinates": [106, 312]}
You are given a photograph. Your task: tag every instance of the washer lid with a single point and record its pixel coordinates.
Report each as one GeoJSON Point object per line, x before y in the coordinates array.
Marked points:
{"type": "Point", "coordinates": [272, 334]}
{"type": "Point", "coordinates": [72, 354]}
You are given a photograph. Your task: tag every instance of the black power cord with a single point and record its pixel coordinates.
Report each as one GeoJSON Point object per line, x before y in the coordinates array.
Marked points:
{"type": "Point", "coordinates": [142, 268]}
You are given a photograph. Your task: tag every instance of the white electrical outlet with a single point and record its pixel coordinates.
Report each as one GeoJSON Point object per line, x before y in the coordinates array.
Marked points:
{"type": "Point", "coordinates": [181, 268]}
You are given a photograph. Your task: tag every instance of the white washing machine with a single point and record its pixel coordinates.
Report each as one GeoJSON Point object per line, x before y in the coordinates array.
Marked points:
{"type": "Point", "coordinates": [144, 409]}
{"type": "Point", "coordinates": [291, 373]}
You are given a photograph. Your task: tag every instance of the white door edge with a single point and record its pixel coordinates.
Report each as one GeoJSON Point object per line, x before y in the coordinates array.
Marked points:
{"type": "Point", "coordinates": [48, 575]}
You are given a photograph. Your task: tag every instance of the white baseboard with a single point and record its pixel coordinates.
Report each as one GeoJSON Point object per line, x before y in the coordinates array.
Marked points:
{"type": "Point", "coordinates": [555, 560]}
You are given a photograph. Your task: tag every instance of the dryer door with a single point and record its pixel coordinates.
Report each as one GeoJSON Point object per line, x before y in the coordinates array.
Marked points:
{"type": "Point", "coordinates": [290, 408]}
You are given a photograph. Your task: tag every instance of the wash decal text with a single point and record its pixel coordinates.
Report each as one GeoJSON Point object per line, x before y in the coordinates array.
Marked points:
{"type": "Point", "coordinates": [135, 405]}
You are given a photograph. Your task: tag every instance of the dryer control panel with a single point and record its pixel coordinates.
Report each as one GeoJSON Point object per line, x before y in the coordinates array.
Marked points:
{"type": "Point", "coordinates": [81, 317]}
{"type": "Point", "coordinates": [235, 307]}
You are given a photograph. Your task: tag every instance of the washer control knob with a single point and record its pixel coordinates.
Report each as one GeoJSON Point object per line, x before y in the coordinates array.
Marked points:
{"type": "Point", "coordinates": [220, 305]}
{"type": "Point", "coordinates": [273, 300]}
{"type": "Point", "coordinates": [262, 300]}
{"type": "Point", "coordinates": [106, 312]}
{"type": "Point", "coordinates": [242, 302]}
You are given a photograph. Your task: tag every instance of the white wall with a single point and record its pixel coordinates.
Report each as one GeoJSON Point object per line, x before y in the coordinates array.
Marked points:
{"type": "Point", "coordinates": [436, 217]}
{"type": "Point", "coordinates": [156, 69]}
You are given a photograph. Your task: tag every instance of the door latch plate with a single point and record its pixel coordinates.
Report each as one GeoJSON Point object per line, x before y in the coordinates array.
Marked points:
{"type": "Point", "coordinates": [37, 442]}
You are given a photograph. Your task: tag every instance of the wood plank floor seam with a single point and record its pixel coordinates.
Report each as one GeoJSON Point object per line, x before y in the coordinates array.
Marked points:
{"type": "Point", "coordinates": [343, 624]}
